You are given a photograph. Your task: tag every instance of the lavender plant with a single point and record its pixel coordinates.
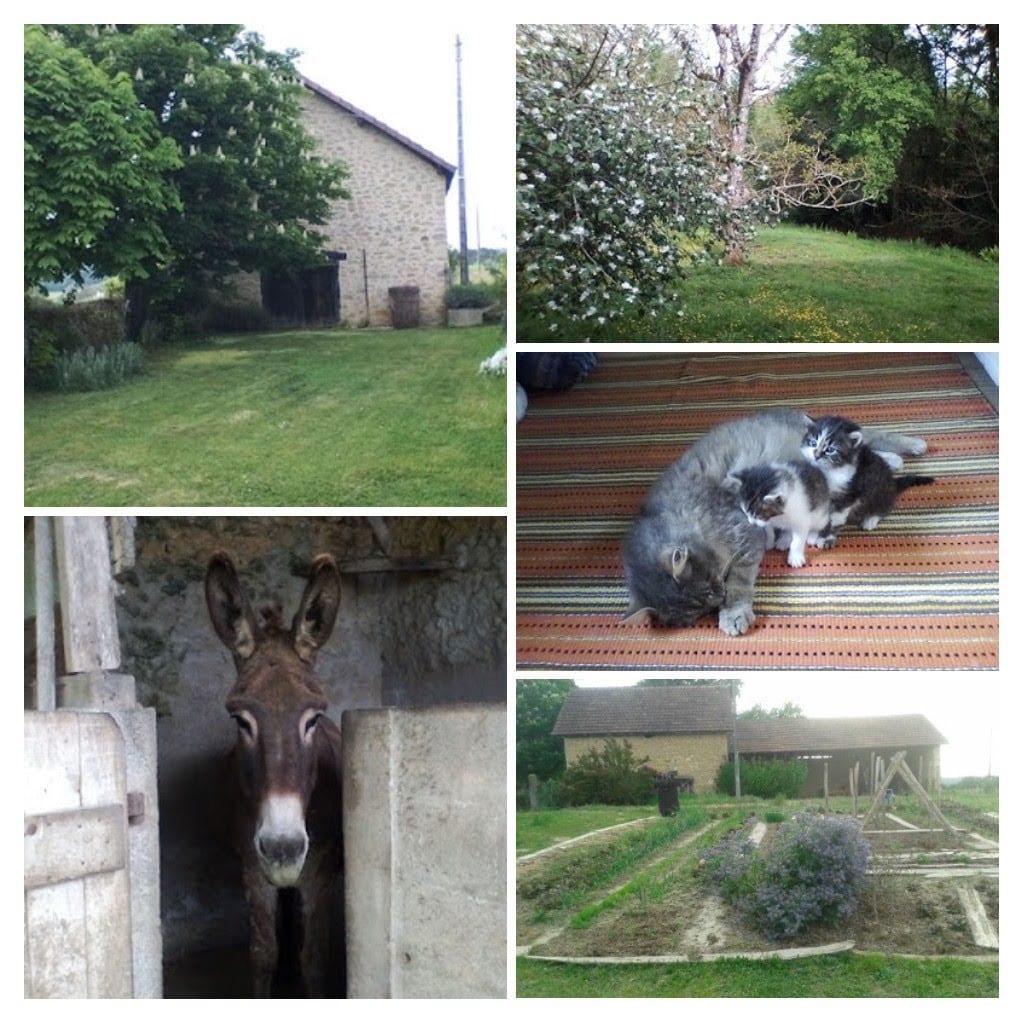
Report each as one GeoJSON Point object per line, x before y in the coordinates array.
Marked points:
{"type": "Point", "coordinates": [813, 872]}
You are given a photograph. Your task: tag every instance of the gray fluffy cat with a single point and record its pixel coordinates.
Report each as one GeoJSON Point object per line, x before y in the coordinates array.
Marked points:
{"type": "Point", "coordinates": [692, 551]}
{"type": "Point", "coordinates": [786, 496]}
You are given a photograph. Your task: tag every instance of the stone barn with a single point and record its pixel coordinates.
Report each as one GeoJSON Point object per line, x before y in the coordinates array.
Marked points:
{"type": "Point", "coordinates": [679, 728]}
{"type": "Point", "coordinates": [689, 730]}
{"type": "Point", "coordinates": [386, 249]}
{"type": "Point", "coordinates": [415, 671]}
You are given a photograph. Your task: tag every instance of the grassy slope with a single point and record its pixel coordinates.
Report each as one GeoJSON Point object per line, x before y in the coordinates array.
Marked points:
{"type": "Point", "coordinates": [326, 418]}
{"type": "Point", "coordinates": [804, 285]}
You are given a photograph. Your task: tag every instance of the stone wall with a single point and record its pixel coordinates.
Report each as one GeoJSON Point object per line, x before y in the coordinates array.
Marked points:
{"type": "Point", "coordinates": [699, 755]}
{"type": "Point", "coordinates": [395, 219]}
{"type": "Point", "coordinates": [422, 623]}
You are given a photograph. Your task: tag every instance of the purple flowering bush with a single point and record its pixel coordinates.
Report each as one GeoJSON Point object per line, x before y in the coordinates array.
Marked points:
{"type": "Point", "coordinates": [813, 872]}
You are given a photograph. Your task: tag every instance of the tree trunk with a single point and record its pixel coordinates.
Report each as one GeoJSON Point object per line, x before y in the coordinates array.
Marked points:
{"type": "Point", "coordinates": [737, 72]}
{"type": "Point", "coordinates": [136, 307]}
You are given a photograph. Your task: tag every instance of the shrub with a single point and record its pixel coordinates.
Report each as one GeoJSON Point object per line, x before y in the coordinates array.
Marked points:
{"type": "Point", "coordinates": [469, 296]}
{"type": "Point", "coordinates": [763, 777]}
{"type": "Point", "coordinates": [610, 776]}
{"type": "Point", "coordinates": [550, 795]}
{"type": "Point", "coordinates": [75, 325]}
{"type": "Point", "coordinates": [93, 369]}
{"type": "Point", "coordinates": [814, 872]}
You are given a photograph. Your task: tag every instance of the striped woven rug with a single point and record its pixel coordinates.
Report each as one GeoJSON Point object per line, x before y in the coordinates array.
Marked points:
{"type": "Point", "coordinates": [919, 592]}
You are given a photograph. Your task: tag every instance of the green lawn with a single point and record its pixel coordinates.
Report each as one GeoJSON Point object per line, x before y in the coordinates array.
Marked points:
{"type": "Point", "coordinates": [800, 284]}
{"type": "Point", "coordinates": [846, 975]}
{"type": "Point", "coordinates": [536, 830]}
{"type": "Point", "coordinates": [312, 418]}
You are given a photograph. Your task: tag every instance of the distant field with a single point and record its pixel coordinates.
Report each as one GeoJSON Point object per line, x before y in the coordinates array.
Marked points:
{"type": "Point", "coordinates": [801, 284]}
{"type": "Point", "coordinates": [312, 418]}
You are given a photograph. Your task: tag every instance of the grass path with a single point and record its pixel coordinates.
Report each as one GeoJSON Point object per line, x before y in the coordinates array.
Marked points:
{"type": "Point", "coordinates": [805, 285]}
{"type": "Point", "coordinates": [320, 418]}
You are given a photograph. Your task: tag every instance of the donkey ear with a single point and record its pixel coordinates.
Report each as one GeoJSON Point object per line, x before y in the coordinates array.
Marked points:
{"type": "Point", "coordinates": [318, 608]}
{"type": "Point", "coordinates": [230, 612]}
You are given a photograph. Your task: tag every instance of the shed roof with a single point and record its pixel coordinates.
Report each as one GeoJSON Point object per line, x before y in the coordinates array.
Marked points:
{"type": "Point", "coordinates": [645, 711]}
{"type": "Point", "coordinates": [447, 169]}
{"type": "Point", "coordinates": [820, 735]}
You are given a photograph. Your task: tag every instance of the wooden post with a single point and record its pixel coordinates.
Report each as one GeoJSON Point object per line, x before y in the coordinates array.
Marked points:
{"type": "Point", "coordinates": [899, 765]}
{"type": "Point", "coordinates": [825, 774]}
{"type": "Point", "coordinates": [46, 632]}
{"type": "Point", "coordinates": [531, 784]}
{"type": "Point", "coordinates": [87, 594]}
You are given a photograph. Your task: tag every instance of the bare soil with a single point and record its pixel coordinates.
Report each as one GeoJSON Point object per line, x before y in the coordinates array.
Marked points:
{"type": "Point", "coordinates": [911, 907]}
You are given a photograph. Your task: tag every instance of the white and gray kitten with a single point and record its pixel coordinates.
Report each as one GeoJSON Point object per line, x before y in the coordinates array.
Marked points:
{"type": "Point", "coordinates": [791, 496]}
{"type": "Point", "coordinates": [860, 480]}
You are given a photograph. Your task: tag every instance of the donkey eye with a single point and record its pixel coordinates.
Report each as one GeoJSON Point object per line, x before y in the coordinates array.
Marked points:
{"type": "Point", "coordinates": [309, 725]}
{"type": "Point", "coordinates": [246, 726]}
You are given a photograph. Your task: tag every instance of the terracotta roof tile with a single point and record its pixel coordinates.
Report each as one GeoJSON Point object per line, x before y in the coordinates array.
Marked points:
{"type": "Point", "coordinates": [810, 735]}
{"type": "Point", "coordinates": [645, 710]}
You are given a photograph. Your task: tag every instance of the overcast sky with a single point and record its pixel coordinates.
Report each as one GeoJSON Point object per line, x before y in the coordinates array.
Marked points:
{"type": "Point", "coordinates": [964, 708]}
{"type": "Point", "coordinates": [402, 71]}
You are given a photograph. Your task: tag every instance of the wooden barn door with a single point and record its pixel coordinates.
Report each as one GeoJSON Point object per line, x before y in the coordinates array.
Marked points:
{"type": "Point", "coordinates": [92, 844]}
{"type": "Point", "coordinates": [78, 919]}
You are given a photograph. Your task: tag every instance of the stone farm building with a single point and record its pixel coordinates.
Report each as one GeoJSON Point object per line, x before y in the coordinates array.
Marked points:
{"type": "Point", "coordinates": [689, 730]}
{"type": "Point", "coordinates": [391, 233]}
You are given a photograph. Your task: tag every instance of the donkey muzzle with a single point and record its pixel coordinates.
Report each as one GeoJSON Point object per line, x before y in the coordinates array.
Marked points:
{"type": "Point", "coordinates": [281, 841]}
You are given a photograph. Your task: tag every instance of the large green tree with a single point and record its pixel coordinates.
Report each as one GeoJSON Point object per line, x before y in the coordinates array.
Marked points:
{"type": "Point", "coordinates": [538, 702]}
{"type": "Point", "coordinates": [250, 186]}
{"type": "Point", "coordinates": [98, 185]}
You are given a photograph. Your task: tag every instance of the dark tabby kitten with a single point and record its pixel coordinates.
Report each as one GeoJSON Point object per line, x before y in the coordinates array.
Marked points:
{"type": "Point", "coordinates": [860, 480]}
{"type": "Point", "coordinates": [790, 496]}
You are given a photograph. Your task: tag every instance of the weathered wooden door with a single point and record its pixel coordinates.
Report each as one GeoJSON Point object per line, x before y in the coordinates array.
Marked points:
{"type": "Point", "coordinates": [78, 920]}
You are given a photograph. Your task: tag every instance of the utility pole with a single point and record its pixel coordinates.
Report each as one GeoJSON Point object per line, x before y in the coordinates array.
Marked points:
{"type": "Point", "coordinates": [463, 246]}
{"type": "Point", "coordinates": [735, 744]}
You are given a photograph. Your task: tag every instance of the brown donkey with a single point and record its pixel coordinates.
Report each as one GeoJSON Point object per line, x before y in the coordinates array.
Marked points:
{"type": "Point", "coordinates": [287, 761]}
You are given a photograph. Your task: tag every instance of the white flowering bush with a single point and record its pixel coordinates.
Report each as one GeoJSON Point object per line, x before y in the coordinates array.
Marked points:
{"type": "Point", "coordinates": [617, 164]}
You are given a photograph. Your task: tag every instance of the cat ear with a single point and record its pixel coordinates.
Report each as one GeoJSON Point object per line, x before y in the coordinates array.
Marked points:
{"type": "Point", "coordinates": [773, 498]}
{"type": "Point", "coordinates": [673, 561]}
{"type": "Point", "coordinates": [856, 437]}
{"type": "Point", "coordinates": [732, 483]}
{"type": "Point", "coordinates": [638, 617]}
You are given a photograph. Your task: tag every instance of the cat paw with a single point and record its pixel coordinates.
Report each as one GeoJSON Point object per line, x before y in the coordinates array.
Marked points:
{"type": "Point", "coordinates": [891, 459]}
{"type": "Point", "coordinates": [797, 561]}
{"type": "Point", "coordinates": [871, 522]}
{"type": "Point", "coordinates": [736, 620]}
{"type": "Point", "coordinates": [916, 446]}
{"type": "Point", "coordinates": [825, 542]}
